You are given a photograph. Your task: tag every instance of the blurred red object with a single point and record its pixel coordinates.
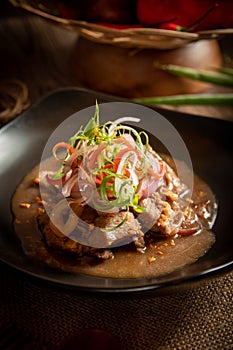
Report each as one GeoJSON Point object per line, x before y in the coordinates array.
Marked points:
{"type": "Point", "coordinates": [185, 13]}
{"type": "Point", "coordinates": [109, 11]}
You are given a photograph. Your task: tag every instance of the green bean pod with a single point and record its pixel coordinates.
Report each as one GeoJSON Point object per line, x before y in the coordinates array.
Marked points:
{"type": "Point", "coordinates": [217, 78]}
{"type": "Point", "coordinates": [222, 99]}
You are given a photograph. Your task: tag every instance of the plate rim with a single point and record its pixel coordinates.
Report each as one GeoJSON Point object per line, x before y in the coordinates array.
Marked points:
{"type": "Point", "coordinates": [206, 273]}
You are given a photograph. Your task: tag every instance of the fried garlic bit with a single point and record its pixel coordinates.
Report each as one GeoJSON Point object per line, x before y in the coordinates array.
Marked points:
{"type": "Point", "coordinates": [151, 259]}
{"type": "Point", "coordinates": [36, 181]}
{"type": "Point", "coordinates": [25, 205]}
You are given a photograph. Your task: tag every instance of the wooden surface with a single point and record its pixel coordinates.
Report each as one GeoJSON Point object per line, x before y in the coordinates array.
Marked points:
{"type": "Point", "coordinates": [39, 53]}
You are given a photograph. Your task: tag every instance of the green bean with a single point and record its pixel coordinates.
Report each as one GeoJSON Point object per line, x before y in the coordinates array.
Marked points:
{"type": "Point", "coordinates": [196, 74]}
{"type": "Point", "coordinates": [225, 70]}
{"type": "Point", "coordinates": [190, 99]}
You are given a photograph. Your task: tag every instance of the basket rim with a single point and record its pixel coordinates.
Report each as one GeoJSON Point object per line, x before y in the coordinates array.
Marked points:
{"type": "Point", "coordinates": [130, 37]}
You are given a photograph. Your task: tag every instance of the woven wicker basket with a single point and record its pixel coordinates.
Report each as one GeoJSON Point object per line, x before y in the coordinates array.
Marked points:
{"type": "Point", "coordinates": [136, 37]}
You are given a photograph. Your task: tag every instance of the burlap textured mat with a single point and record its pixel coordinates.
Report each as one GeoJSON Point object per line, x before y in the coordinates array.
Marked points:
{"type": "Point", "coordinates": [197, 318]}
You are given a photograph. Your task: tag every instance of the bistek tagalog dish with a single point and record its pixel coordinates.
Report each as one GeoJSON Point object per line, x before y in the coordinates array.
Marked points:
{"type": "Point", "coordinates": [107, 204]}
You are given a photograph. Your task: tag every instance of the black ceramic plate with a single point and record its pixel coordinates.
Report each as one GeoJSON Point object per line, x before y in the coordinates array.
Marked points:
{"type": "Point", "coordinates": [209, 142]}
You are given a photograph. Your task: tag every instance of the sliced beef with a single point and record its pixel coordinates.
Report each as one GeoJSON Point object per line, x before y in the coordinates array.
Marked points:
{"type": "Point", "coordinates": [98, 241]}
{"type": "Point", "coordinates": [171, 180]}
{"type": "Point", "coordinates": [168, 211]}
{"type": "Point", "coordinates": [161, 216]}
{"type": "Point", "coordinates": [59, 242]}
{"type": "Point", "coordinates": [116, 230]}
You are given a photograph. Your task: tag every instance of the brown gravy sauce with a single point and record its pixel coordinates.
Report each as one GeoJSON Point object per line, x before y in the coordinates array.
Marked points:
{"type": "Point", "coordinates": [160, 258]}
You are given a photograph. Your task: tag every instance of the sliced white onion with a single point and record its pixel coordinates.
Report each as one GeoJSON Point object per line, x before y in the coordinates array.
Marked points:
{"type": "Point", "coordinates": [130, 139]}
{"type": "Point", "coordinates": [45, 176]}
{"type": "Point", "coordinates": [122, 120]}
{"type": "Point", "coordinates": [153, 162]}
{"type": "Point", "coordinates": [147, 187]}
{"type": "Point", "coordinates": [134, 177]}
{"type": "Point", "coordinates": [69, 184]}
{"type": "Point", "coordinates": [82, 151]}
{"type": "Point", "coordinates": [126, 156]}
